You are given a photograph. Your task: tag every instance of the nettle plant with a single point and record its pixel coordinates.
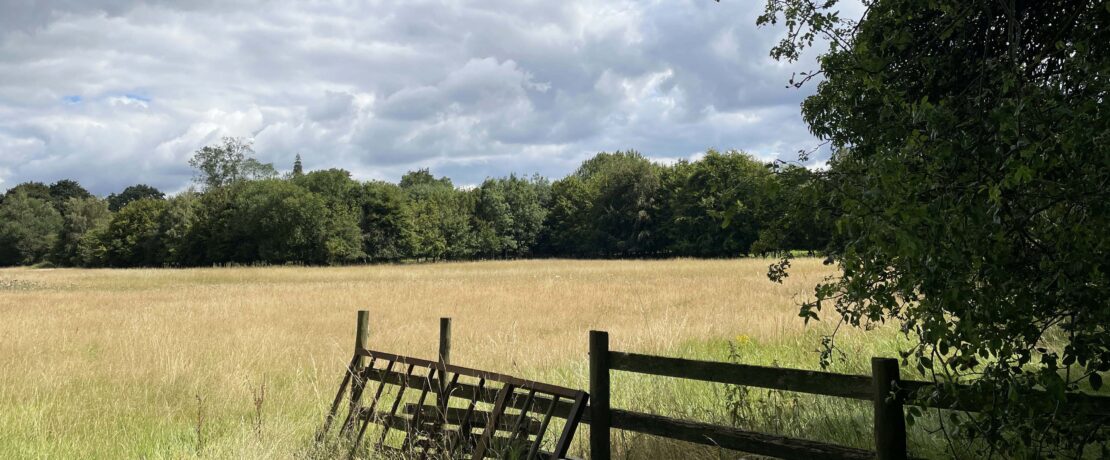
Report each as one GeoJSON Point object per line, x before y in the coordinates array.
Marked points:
{"type": "Point", "coordinates": [970, 185]}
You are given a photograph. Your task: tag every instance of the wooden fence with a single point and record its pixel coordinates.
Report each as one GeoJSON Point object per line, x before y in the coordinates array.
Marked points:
{"type": "Point", "coordinates": [884, 388]}
{"type": "Point", "coordinates": [887, 391]}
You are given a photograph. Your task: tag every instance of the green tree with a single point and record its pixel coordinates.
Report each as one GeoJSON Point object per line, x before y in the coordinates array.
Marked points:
{"type": "Point", "coordinates": [797, 214]}
{"type": "Point", "coordinates": [970, 166]}
{"type": "Point", "coordinates": [80, 217]}
{"type": "Point", "coordinates": [493, 219]}
{"type": "Point", "coordinates": [229, 162]}
{"type": "Point", "coordinates": [36, 190]}
{"type": "Point", "coordinates": [175, 226]}
{"type": "Point", "coordinates": [441, 218]}
{"type": "Point", "coordinates": [623, 188]}
{"type": "Point", "coordinates": [132, 238]}
{"type": "Point", "coordinates": [334, 185]}
{"type": "Point", "coordinates": [278, 222]}
{"type": "Point", "coordinates": [61, 191]}
{"type": "Point", "coordinates": [133, 193]}
{"type": "Point", "coordinates": [209, 239]}
{"type": "Point", "coordinates": [385, 219]}
{"type": "Point", "coordinates": [567, 229]}
{"type": "Point", "coordinates": [29, 227]}
{"type": "Point", "coordinates": [91, 248]}
{"type": "Point", "coordinates": [509, 215]}
{"type": "Point", "coordinates": [716, 206]}
{"type": "Point", "coordinates": [423, 177]}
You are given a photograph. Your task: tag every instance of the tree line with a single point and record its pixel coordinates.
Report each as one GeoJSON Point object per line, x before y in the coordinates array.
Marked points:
{"type": "Point", "coordinates": [243, 211]}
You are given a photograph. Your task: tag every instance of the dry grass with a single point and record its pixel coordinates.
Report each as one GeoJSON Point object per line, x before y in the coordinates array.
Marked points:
{"type": "Point", "coordinates": [123, 363]}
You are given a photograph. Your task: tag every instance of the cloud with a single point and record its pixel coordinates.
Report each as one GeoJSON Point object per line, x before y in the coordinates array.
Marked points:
{"type": "Point", "coordinates": [113, 92]}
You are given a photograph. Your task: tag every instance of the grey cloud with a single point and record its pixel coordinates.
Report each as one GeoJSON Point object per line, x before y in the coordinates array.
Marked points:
{"type": "Point", "coordinates": [331, 106]}
{"type": "Point", "coordinates": [472, 89]}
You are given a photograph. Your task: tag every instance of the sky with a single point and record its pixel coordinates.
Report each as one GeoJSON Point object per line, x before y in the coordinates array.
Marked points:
{"type": "Point", "coordinates": [113, 93]}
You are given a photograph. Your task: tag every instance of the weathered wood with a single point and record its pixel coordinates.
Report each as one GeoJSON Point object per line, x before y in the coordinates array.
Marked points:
{"type": "Point", "coordinates": [445, 340]}
{"type": "Point", "coordinates": [599, 395]}
{"type": "Point", "coordinates": [495, 418]}
{"type": "Point", "coordinates": [393, 409]}
{"type": "Point", "coordinates": [457, 416]}
{"type": "Point", "coordinates": [429, 431]}
{"type": "Point", "coordinates": [330, 417]}
{"type": "Point", "coordinates": [890, 419]}
{"type": "Point", "coordinates": [373, 406]}
{"type": "Point", "coordinates": [519, 423]}
{"type": "Point", "coordinates": [535, 449]}
{"type": "Point", "coordinates": [443, 360]}
{"type": "Point", "coordinates": [802, 381]}
{"type": "Point", "coordinates": [358, 384]}
{"type": "Point", "coordinates": [562, 447]}
{"type": "Point", "coordinates": [417, 417]}
{"type": "Point", "coordinates": [465, 424]}
{"type": "Point", "coordinates": [470, 391]}
{"type": "Point", "coordinates": [733, 439]}
{"type": "Point", "coordinates": [362, 329]}
{"type": "Point", "coordinates": [475, 373]}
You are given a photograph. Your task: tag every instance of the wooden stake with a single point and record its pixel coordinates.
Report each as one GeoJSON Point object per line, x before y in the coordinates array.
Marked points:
{"type": "Point", "coordinates": [599, 396]}
{"type": "Point", "coordinates": [362, 328]}
{"type": "Point", "coordinates": [890, 420]}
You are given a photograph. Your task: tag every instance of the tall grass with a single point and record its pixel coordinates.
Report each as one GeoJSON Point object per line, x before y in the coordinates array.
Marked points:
{"type": "Point", "coordinates": [242, 362]}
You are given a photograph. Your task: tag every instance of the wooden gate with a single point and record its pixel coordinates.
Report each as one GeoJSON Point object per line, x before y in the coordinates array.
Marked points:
{"type": "Point", "coordinates": [432, 409]}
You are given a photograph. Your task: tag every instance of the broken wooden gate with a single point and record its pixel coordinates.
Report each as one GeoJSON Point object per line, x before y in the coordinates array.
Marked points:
{"type": "Point", "coordinates": [432, 409]}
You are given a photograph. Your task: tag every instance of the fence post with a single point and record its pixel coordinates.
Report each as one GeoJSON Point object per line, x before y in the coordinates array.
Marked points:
{"type": "Point", "coordinates": [444, 359]}
{"type": "Point", "coordinates": [445, 340]}
{"type": "Point", "coordinates": [361, 330]}
{"type": "Point", "coordinates": [357, 384]}
{"type": "Point", "coordinates": [599, 396]}
{"type": "Point", "coordinates": [890, 420]}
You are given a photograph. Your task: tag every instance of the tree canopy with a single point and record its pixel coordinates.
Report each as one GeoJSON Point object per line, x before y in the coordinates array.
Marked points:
{"type": "Point", "coordinates": [969, 177]}
{"type": "Point", "coordinates": [229, 162]}
{"type": "Point", "coordinates": [133, 193]}
{"type": "Point", "coordinates": [614, 205]}
{"type": "Point", "coordinates": [29, 227]}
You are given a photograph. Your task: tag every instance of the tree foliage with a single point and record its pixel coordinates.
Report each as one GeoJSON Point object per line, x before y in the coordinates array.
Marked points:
{"type": "Point", "coordinates": [715, 205]}
{"type": "Point", "coordinates": [278, 222]}
{"type": "Point", "coordinates": [423, 177]}
{"type": "Point", "coordinates": [175, 226]}
{"type": "Point", "coordinates": [133, 193]}
{"type": "Point", "coordinates": [615, 205]}
{"type": "Point", "coordinates": [970, 173]}
{"type": "Point", "coordinates": [229, 162]}
{"type": "Point", "coordinates": [29, 227]}
{"type": "Point", "coordinates": [61, 191]}
{"type": "Point", "coordinates": [37, 190]}
{"type": "Point", "coordinates": [80, 218]}
{"type": "Point", "coordinates": [386, 222]}
{"type": "Point", "coordinates": [132, 237]}
{"type": "Point", "coordinates": [509, 215]}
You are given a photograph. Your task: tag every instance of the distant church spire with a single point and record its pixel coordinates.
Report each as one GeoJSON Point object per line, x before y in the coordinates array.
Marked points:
{"type": "Point", "coordinates": [298, 170]}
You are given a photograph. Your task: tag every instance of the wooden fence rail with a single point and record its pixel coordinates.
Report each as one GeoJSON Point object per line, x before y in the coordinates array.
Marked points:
{"type": "Point", "coordinates": [884, 387]}
{"type": "Point", "coordinates": [603, 417]}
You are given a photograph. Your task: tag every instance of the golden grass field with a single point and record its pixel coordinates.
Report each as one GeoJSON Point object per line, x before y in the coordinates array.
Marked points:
{"type": "Point", "coordinates": [129, 363]}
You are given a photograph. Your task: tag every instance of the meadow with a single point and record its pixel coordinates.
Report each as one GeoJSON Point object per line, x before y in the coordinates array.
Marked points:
{"type": "Point", "coordinates": [242, 362]}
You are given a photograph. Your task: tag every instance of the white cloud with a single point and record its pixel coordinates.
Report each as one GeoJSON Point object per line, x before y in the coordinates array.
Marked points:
{"type": "Point", "coordinates": [114, 92]}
